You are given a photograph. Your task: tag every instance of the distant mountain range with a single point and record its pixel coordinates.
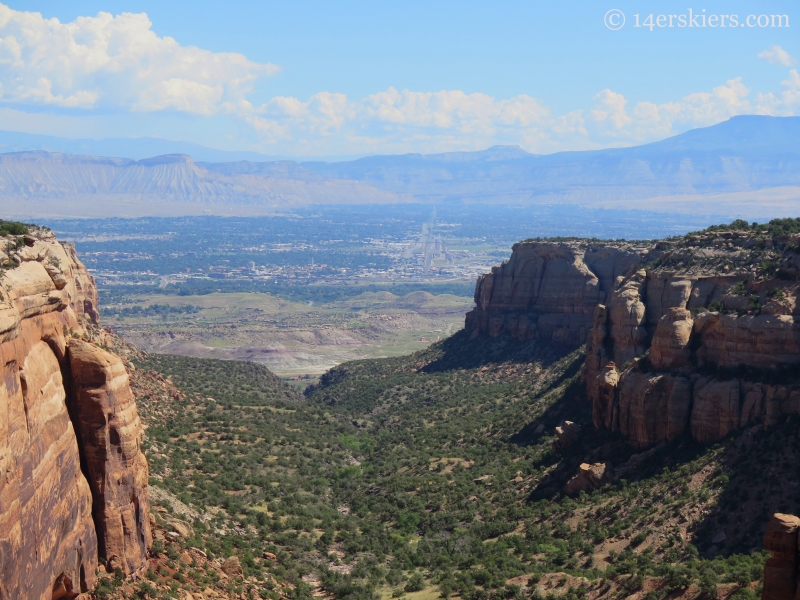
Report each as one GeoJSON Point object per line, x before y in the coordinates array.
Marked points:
{"type": "Point", "coordinates": [746, 166]}
{"type": "Point", "coordinates": [54, 185]}
{"type": "Point", "coordinates": [136, 148]}
{"type": "Point", "coordinates": [740, 155]}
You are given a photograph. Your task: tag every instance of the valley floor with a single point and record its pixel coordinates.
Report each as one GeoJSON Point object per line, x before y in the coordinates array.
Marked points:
{"type": "Point", "coordinates": [293, 339]}
{"type": "Point", "coordinates": [435, 475]}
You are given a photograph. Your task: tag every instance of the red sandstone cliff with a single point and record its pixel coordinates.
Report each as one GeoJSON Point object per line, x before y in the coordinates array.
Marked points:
{"type": "Point", "coordinates": [704, 340]}
{"type": "Point", "coordinates": [73, 482]}
{"type": "Point", "coordinates": [697, 335]}
{"type": "Point", "coordinates": [549, 290]}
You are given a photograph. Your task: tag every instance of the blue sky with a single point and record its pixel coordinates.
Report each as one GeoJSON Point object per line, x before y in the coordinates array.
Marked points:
{"type": "Point", "coordinates": [349, 78]}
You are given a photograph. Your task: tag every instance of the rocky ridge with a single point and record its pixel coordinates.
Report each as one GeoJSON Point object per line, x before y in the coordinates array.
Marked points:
{"type": "Point", "coordinates": [695, 335]}
{"type": "Point", "coordinates": [73, 481]}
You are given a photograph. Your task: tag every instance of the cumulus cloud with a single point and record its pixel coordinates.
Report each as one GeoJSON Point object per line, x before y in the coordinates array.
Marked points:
{"type": "Point", "coordinates": [454, 109]}
{"type": "Point", "coordinates": [775, 55]}
{"type": "Point", "coordinates": [397, 120]}
{"type": "Point", "coordinates": [645, 121]}
{"type": "Point", "coordinates": [403, 121]}
{"type": "Point", "coordinates": [785, 103]}
{"type": "Point", "coordinates": [116, 62]}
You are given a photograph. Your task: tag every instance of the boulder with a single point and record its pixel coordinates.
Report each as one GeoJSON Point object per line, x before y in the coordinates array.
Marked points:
{"type": "Point", "coordinates": [568, 433]}
{"type": "Point", "coordinates": [232, 568]}
{"type": "Point", "coordinates": [589, 477]}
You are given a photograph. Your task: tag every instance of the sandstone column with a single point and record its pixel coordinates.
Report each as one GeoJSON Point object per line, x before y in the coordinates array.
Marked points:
{"type": "Point", "coordinates": [780, 572]}
{"type": "Point", "coordinates": [111, 433]}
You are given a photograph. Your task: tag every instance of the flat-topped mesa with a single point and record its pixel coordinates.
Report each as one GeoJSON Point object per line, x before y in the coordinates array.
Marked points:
{"type": "Point", "coordinates": [73, 481]}
{"type": "Point", "coordinates": [549, 289]}
{"type": "Point", "coordinates": [703, 340]}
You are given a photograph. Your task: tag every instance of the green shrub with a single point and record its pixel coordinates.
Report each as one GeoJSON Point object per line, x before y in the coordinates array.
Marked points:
{"type": "Point", "coordinates": [416, 583]}
{"type": "Point", "coordinates": [12, 228]}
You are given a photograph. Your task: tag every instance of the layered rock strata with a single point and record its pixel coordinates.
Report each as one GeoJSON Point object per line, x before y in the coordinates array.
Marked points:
{"type": "Point", "coordinates": [698, 335]}
{"type": "Point", "coordinates": [549, 290]}
{"type": "Point", "coordinates": [702, 340]}
{"type": "Point", "coordinates": [687, 368]}
{"type": "Point", "coordinates": [70, 464]}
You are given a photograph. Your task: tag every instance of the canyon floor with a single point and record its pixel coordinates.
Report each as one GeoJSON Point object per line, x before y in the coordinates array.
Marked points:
{"type": "Point", "coordinates": [435, 475]}
{"type": "Point", "coordinates": [293, 339]}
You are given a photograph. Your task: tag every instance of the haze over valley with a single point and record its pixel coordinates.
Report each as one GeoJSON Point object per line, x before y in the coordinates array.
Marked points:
{"type": "Point", "coordinates": [744, 167]}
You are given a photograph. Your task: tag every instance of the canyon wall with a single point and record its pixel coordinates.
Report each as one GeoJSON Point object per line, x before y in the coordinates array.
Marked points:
{"type": "Point", "coordinates": [699, 349]}
{"type": "Point", "coordinates": [549, 290]}
{"type": "Point", "coordinates": [73, 481]}
{"type": "Point", "coordinates": [697, 335]}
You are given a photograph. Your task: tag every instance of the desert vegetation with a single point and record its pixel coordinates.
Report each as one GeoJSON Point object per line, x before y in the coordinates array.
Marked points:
{"type": "Point", "coordinates": [436, 474]}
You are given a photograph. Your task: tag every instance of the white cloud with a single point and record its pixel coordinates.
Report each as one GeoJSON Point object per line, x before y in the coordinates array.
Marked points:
{"type": "Point", "coordinates": [647, 121]}
{"type": "Point", "coordinates": [785, 103]}
{"type": "Point", "coordinates": [775, 55]}
{"type": "Point", "coordinates": [611, 108]}
{"type": "Point", "coordinates": [115, 62]}
{"type": "Point", "coordinates": [118, 64]}
{"type": "Point", "coordinates": [410, 121]}
{"type": "Point", "coordinates": [453, 109]}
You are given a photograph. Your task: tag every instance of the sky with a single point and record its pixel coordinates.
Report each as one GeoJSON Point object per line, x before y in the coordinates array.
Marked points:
{"type": "Point", "coordinates": [353, 78]}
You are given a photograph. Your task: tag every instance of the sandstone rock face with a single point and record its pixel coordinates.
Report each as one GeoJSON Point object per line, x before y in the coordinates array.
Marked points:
{"type": "Point", "coordinates": [111, 433]}
{"type": "Point", "coordinates": [716, 410]}
{"type": "Point", "coordinates": [670, 347]}
{"type": "Point", "coordinates": [681, 335]}
{"type": "Point", "coordinates": [232, 568]}
{"type": "Point", "coordinates": [761, 341]}
{"type": "Point", "coordinates": [48, 534]}
{"type": "Point", "coordinates": [658, 324]}
{"type": "Point", "coordinates": [548, 290]}
{"type": "Point", "coordinates": [652, 407]}
{"type": "Point", "coordinates": [781, 570]}
{"type": "Point", "coordinates": [604, 390]}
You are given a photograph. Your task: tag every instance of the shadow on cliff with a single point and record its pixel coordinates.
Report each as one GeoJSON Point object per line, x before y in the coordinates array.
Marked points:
{"type": "Point", "coordinates": [459, 351]}
{"type": "Point", "coordinates": [756, 475]}
{"type": "Point", "coordinates": [753, 472]}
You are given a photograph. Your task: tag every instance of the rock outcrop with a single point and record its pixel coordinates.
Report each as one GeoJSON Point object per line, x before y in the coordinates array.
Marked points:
{"type": "Point", "coordinates": [589, 477]}
{"type": "Point", "coordinates": [70, 464]}
{"type": "Point", "coordinates": [549, 290]}
{"type": "Point", "coordinates": [698, 335]}
{"type": "Point", "coordinates": [781, 569]}
{"type": "Point", "coordinates": [704, 348]}
{"type": "Point", "coordinates": [567, 433]}
{"type": "Point", "coordinates": [110, 434]}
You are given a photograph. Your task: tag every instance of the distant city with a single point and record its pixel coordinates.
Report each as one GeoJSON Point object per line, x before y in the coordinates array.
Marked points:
{"type": "Point", "coordinates": [335, 247]}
